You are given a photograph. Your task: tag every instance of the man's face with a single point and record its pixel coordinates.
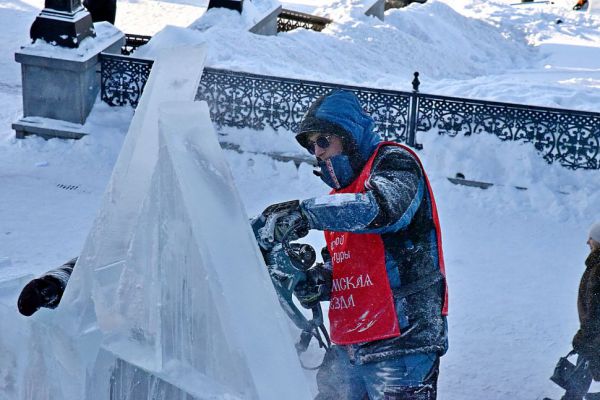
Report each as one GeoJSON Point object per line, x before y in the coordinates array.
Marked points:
{"type": "Point", "coordinates": [593, 244]}
{"type": "Point", "coordinates": [325, 146]}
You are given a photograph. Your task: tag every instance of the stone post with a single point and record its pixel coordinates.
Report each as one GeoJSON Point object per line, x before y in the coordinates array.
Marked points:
{"type": "Point", "coordinates": [59, 69]}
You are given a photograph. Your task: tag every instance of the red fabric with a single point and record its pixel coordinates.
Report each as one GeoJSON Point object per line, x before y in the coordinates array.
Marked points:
{"type": "Point", "coordinates": [362, 304]}
{"type": "Point", "coordinates": [436, 220]}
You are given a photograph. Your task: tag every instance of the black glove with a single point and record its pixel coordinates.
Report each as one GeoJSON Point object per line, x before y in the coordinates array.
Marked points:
{"type": "Point", "coordinates": [316, 287]}
{"type": "Point", "coordinates": [284, 221]}
{"type": "Point", "coordinates": [41, 292]}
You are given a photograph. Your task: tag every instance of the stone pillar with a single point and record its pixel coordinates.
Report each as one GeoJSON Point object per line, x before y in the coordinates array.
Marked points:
{"type": "Point", "coordinates": [60, 84]}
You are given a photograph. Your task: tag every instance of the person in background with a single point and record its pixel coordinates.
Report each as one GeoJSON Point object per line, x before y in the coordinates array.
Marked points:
{"type": "Point", "coordinates": [386, 285]}
{"type": "Point", "coordinates": [580, 4]}
{"type": "Point", "coordinates": [586, 342]}
{"type": "Point", "coordinates": [102, 10]}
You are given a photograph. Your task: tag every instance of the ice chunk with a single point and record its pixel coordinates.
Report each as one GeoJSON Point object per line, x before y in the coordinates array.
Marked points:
{"type": "Point", "coordinates": [193, 309]}
{"type": "Point", "coordinates": [175, 76]}
{"type": "Point", "coordinates": [62, 345]}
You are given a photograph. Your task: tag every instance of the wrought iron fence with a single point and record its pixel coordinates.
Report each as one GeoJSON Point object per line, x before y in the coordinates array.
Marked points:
{"type": "Point", "coordinates": [288, 20]}
{"type": "Point", "coordinates": [242, 100]}
{"type": "Point", "coordinates": [239, 99]}
{"type": "Point", "coordinates": [122, 79]}
{"type": "Point", "coordinates": [569, 137]}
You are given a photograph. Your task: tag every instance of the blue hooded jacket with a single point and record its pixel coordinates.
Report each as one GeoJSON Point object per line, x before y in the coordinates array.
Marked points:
{"type": "Point", "coordinates": [340, 113]}
{"type": "Point", "coordinates": [396, 204]}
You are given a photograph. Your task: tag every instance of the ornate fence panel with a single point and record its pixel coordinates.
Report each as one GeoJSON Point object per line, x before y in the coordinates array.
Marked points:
{"type": "Point", "coordinates": [239, 99]}
{"type": "Point", "coordinates": [122, 79]}
{"type": "Point", "coordinates": [247, 100]}
{"type": "Point", "coordinates": [289, 20]}
{"type": "Point", "coordinates": [569, 137]}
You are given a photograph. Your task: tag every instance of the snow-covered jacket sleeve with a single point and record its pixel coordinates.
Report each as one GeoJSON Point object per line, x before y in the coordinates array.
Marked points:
{"type": "Point", "coordinates": [394, 191]}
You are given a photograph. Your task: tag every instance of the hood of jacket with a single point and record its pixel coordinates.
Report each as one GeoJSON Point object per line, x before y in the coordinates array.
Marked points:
{"type": "Point", "coordinates": [340, 113]}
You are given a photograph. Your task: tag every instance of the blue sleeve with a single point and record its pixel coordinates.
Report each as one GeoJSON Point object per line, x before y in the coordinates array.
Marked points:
{"type": "Point", "coordinates": [394, 193]}
{"type": "Point", "coordinates": [341, 212]}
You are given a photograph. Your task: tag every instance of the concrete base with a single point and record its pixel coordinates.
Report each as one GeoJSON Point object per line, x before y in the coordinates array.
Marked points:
{"type": "Point", "coordinates": [48, 128]}
{"type": "Point", "coordinates": [268, 25]}
{"type": "Point", "coordinates": [377, 9]}
{"type": "Point", "coordinates": [62, 84]}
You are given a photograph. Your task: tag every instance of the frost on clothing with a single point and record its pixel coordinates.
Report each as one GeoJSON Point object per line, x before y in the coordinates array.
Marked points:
{"type": "Point", "coordinates": [396, 205]}
{"type": "Point", "coordinates": [403, 217]}
{"type": "Point", "coordinates": [395, 192]}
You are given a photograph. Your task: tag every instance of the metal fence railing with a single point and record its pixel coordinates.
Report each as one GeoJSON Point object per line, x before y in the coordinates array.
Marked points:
{"type": "Point", "coordinates": [569, 137]}
{"type": "Point", "coordinates": [288, 20]}
{"type": "Point", "coordinates": [122, 79]}
{"type": "Point", "coordinates": [239, 99]}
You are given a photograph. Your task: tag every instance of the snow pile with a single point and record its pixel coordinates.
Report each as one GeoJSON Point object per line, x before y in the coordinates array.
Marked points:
{"type": "Point", "coordinates": [514, 257]}
{"type": "Point", "coordinates": [356, 49]}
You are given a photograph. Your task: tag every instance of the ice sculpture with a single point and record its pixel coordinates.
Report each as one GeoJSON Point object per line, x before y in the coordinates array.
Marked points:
{"type": "Point", "coordinates": [195, 307]}
{"type": "Point", "coordinates": [169, 298]}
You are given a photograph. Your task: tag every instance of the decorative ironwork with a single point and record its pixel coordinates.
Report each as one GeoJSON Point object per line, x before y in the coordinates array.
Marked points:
{"type": "Point", "coordinates": [122, 79]}
{"type": "Point", "coordinates": [245, 100]}
{"type": "Point", "coordinates": [132, 42]}
{"type": "Point", "coordinates": [288, 20]}
{"type": "Point", "coordinates": [569, 137]}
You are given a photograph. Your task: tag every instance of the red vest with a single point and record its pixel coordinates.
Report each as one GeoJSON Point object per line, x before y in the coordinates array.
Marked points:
{"type": "Point", "coordinates": [362, 305]}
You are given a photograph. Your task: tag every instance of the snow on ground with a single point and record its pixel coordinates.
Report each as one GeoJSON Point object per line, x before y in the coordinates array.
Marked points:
{"type": "Point", "coordinates": [514, 257]}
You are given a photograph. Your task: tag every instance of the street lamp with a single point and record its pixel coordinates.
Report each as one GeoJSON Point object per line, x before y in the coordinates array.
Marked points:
{"type": "Point", "coordinates": [63, 22]}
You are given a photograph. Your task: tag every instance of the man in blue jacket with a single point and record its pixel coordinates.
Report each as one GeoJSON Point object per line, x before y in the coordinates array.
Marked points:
{"type": "Point", "coordinates": [388, 296]}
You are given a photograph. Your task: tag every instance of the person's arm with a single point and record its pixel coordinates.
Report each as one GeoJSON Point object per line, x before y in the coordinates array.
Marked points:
{"type": "Point", "coordinates": [394, 193]}
{"type": "Point", "coordinates": [45, 291]}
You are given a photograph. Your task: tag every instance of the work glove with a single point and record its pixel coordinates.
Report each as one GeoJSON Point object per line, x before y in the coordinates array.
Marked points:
{"type": "Point", "coordinates": [284, 221]}
{"type": "Point", "coordinates": [316, 287]}
{"type": "Point", "coordinates": [41, 292]}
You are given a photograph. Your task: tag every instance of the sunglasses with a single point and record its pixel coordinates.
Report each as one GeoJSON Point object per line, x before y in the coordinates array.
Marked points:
{"type": "Point", "coordinates": [322, 141]}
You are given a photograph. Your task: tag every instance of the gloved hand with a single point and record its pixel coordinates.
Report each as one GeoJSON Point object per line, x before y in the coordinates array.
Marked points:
{"type": "Point", "coordinates": [41, 292]}
{"type": "Point", "coordinates": [317, 286]}
{"type": "Point", "coordinates": [284, 221]}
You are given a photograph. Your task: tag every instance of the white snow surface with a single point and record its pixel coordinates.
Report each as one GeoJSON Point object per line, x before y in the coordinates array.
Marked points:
{"type": "Point", "coordinates": [513, 257]}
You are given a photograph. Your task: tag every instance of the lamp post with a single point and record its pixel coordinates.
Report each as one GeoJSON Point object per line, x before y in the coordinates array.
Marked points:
{"type": "Point", "coordinates": [63, 22]}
